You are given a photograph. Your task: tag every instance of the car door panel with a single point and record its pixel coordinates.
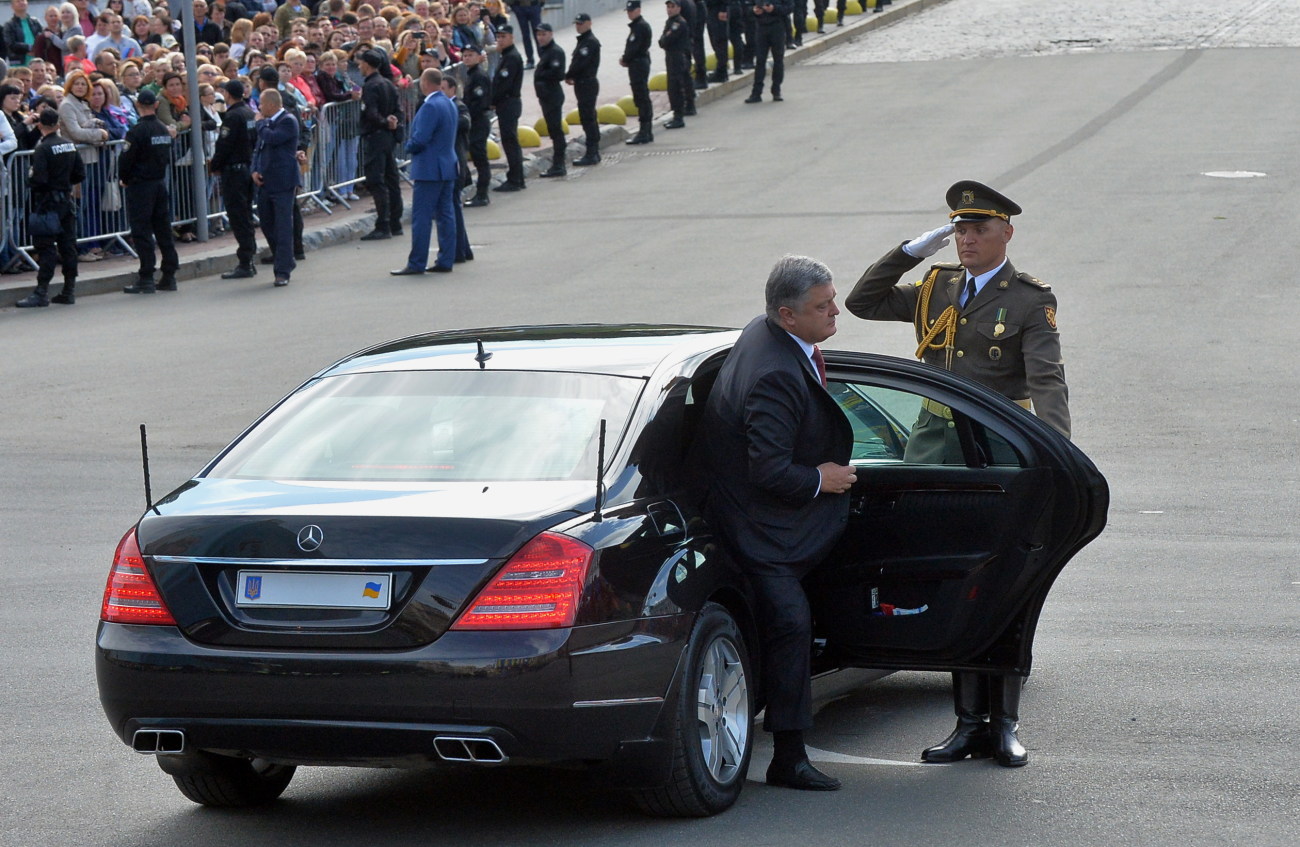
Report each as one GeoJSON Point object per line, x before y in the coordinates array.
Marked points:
{"type": "Point", "coordinates": [946, 566]}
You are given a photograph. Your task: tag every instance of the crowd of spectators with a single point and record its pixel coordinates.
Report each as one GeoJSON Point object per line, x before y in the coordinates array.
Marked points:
{"type": "Point", "coordinates": [89, 63]}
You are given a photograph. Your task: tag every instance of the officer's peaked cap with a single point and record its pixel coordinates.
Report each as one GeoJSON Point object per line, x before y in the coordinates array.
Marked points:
{"type": "Point", "coordinates": [974, 201]}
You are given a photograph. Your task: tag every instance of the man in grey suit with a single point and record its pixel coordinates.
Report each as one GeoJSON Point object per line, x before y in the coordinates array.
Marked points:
{"type": "Point", "coordinates": [435, 170]}
{"type": "Point", "coordinates": [776, 447]}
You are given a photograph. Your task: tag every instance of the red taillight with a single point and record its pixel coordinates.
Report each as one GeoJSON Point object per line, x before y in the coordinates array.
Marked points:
{"type": "Point", "coordinates": [537, 589]}
{"type": "Point", "coordinates": [131, 595]}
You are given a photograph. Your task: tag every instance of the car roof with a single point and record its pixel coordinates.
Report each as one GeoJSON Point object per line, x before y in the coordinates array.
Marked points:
{"type": "Point", "coordinates": [634, 350]}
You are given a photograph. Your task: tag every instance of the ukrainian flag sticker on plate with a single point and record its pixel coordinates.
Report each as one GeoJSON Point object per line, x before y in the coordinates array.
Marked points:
{"type": "Point", "coordinates": [314, 589]}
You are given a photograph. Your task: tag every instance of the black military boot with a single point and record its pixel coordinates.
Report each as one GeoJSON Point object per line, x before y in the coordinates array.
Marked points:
{"type": "Point", "coordinates": [479, 199]}
{"type": "Point", "coordinates": [241, 272]}
{"type": "Point", "coordinates": [1004, 721]}
{"type": "Point", "coordinates": [970, 696]}
{"type": "Point", "coordinates": [144, 285]}
{"type": "Point", "coordinates": [588, 160]}
{"type": "Point", "coordinates": [68, 294]}
{"type": "Point", "coordinates": [167, 283]}
{"type": "Point", "coordinates": [38, 299]}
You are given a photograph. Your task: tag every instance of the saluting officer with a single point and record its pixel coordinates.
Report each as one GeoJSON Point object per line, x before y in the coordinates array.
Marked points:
{"type": "Point", "coordinates": [636, 58]}
{"type": "Point", "coordinates": [478, 99]}
{"type": "Point", "coordinates": [56, 177]}
{"type": "Point", "coordinates": [143, 171]}
{"type": "Point", "coordinates": [676, 43]}
{"type": "Point", "coordinates": [507, 100]}
{"type": "Point", "coordinates": [987, 321]}
{"type": "Point", "coordinates": [548, 85]}
{"type": "Point", "coordinates": [583, 67]}
{"type": "Point", "coordinates": [232, 159]}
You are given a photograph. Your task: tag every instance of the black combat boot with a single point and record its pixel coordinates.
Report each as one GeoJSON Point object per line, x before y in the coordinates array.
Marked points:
{"type": "Point", "coordinates": [144, 285]}
{"type": "Point", "coordinates": [479, 199]}
{"type": "Point", "coordinates": [970, 696]}
{"type": "Point", "coordinates": [1004, 721]}
{"type": "Point", "coordinates": [38, 299]}
{"type": "Point", "coordinates": [167, 283]}
{"type": "Point", "coordinates": [68, 294]}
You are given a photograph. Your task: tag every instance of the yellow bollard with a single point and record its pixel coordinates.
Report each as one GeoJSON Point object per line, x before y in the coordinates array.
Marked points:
{"type": "Point", "coordinates": [529, 137]}
{"type": "Point", "coordinates": [611, 114]}
{"type": "Point", "coordinates": [628, 106]}
{"type": "Point", "coordinates": [659, 82]}
{"type": "Point", "coordinates": [494, 150]}
{"type": "Point", "coordinates": [541, 127]}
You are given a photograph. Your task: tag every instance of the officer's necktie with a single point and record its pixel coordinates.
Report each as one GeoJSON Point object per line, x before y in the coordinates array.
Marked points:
{"type": "Point", "coordinates": [969, 293]}
{"type": "Point", "coordinates": [820, 363]}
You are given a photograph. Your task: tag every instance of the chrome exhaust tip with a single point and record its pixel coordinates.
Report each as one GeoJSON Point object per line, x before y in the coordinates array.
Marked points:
{"type": "Point", "coordinates": [463, 748]}
{"type": "Point", "coordinates": [158, 742]}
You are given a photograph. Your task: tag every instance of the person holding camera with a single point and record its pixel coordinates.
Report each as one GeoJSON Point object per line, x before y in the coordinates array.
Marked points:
{"type": "Point", "coordinates": [55, 184]}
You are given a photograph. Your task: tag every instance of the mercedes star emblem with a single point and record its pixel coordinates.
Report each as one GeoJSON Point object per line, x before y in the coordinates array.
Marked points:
{"type": "Point", "coordinates": [310, 538]}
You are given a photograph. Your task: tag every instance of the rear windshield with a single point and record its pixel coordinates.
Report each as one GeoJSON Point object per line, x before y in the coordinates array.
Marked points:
{"type": "Point", "coordinates": [437, 426]}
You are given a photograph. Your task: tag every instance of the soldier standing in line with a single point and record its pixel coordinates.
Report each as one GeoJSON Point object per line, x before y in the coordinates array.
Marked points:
{"type": "Point", "coordinates": [715, 12]}
{"type": "Point", "coordinates": [636, 58]}
{"type": "Point", "coordinates": [55, 184]}
{"type": "Point", "coordinates": [770, 32]}
{"type": "Point", "coordinates": [741, 26]}
{"type": "Point", "coordinates": [693, 14]}
{"type": "Point", "coordinates": [983, 320]}
{"type": "Point", "coordinates": [507, 100]}
{"type": "Point", "coordinates": [478, 99]}
{"type": "Point", "coordinates": [143, 172]}
{"type": "Point", "coordinates": [548, 85]}
{"type": "Point", "coordinates": [232, 160]}
{"type": "Point", "coordinates": [583, 67]}
{"type": "Point", "coordinates": [676, 44]}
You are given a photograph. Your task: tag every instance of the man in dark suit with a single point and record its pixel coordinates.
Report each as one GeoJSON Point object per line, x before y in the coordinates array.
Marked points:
{"type": "Point", "coordinates": [276, 175]}
{"type": "Point", "coordinates": [435, 170]}
{"type": "Point", "coordinates": [776, 447]}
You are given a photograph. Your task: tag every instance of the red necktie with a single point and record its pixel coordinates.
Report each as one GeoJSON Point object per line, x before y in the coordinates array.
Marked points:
{"type": "Point", "coordinates": [820, 363]}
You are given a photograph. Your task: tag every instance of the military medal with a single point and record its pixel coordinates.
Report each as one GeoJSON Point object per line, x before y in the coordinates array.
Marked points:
{"type": "Point", "coordinates": [1000, 327]}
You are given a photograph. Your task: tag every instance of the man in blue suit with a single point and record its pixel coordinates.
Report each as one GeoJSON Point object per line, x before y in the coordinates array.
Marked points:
{"type": "Point", "coordinates": [276, 174]}
{"type": "Point", "coordinates": [435, 171]}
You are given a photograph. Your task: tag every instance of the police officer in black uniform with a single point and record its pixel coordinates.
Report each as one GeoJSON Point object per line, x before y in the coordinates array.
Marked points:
{"type": "Point", "coordinates": [478, 99]}
{"type": "Point", "coordinates": [56, 176]}
{"type": "Point", "coordinates": [548, 85]}
{"type": "Point", "coordinates": [232, 160]}
{"type": "Point", "coordinates": [143, 171]}
{"type": "Point", "coordinates": [676, 43]}
{"type": "Point", "coordinates": [770, 35]}
{"type": "Point", "coordinates": [715, 22]}
{"type": "Point", "coordinates": [380, 118]}
{"type": "Point", "coordinates": [741, 27]}
{"type": "Point", "coordinates": [583, 67]}
{"type": "Point", "coordinates": [693, 14]}
{"type": "Point", "coordinates": [636, 58]}
{"type": "Point", "coordinates": [507, 100]}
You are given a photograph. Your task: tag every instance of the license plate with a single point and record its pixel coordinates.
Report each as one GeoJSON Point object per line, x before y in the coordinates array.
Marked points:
{"type": "Point", "coordinates": [327, 590]}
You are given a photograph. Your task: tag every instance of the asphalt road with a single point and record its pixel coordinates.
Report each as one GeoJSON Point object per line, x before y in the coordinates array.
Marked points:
{"type": "Point", "coordinates": [1164, 702]}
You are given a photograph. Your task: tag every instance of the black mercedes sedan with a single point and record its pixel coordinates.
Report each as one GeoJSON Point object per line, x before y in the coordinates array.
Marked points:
{"type": "Point", "coordinates": [483, 548]}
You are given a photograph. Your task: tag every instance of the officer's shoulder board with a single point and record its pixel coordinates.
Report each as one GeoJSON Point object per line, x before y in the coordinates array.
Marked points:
{"type": "Point", "coordinates": [1032, 280]}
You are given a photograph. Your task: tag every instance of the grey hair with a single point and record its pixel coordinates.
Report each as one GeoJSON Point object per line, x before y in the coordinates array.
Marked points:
{"type": "Point", "coordinates": [791, 280]}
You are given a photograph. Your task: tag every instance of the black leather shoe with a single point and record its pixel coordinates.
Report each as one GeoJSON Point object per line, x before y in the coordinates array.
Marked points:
{"type": "Point", "coordinates": [240, 272]}
{"type": "Point", "coordinates": [281, 281]}
{"type": "Point", "coordinates": [376, 235]}
{"type": "Point", "coordinates": [302, 257]}
{"type": "Point", "coordinates": [33, 301]}
{"type": "Point", "coordinates": [477, 200]}
{"type": "Point", "coordinates": [675, 123]}
{"type": "Point", "coordinates": [508, 186]}
{"type": "Point", "coordinates": [440, 269]}
{"type": "Point", "coordinates": [406, 271]}
{"type": "Point", "coordinates": [701, 84]}
{"type": "Point", "coordinates": [587, 161]}
{"type": "Point", "coordinates": [64, 299]}
{"type": "Point", "coordinates": [802, 776]}
{"type": "Point", "coordinates": [640, 138]}
{"type": "Point", "coordinates": [556, 171]}
{"type": "Point", "coordinates": [396, 232]}
{"type": "Point", "coordinates": [776, 97]}
{"type": "Point", "coordinates": [167, 283]}
{"type": "Point", "coordinates": [754, 98]}
{"type": "Point", "coordinates": [144, 286]}
{"type": "Point", "coordinates": [689, 112]}
{"type": "Point", "coordinates": [970, 738]}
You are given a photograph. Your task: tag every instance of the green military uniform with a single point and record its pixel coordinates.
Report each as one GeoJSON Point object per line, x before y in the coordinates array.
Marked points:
{"type": "Point", "coordinates": [1004, 338]}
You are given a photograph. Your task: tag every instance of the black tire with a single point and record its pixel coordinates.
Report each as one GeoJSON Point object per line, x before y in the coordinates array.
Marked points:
{"type": "Point", "coordinates": [229, 782]}
{"type": "Point", "coordinates": [713, 734]}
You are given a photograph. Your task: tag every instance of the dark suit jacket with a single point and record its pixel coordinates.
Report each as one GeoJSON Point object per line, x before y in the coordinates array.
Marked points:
{"type": "Point", "coordinates": [275, 156]}
{"type": "Point", "coordinates": [767, 426]}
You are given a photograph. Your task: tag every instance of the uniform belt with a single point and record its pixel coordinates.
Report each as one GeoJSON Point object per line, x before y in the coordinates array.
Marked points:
{"type": "Point", "coordinates": [942, 411]}
{"type": "Point", "coordinates": [234, 166]}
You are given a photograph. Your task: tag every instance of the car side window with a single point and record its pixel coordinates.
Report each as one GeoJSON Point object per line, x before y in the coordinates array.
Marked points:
{"type": "Point", "coordinates": [893, 426]}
